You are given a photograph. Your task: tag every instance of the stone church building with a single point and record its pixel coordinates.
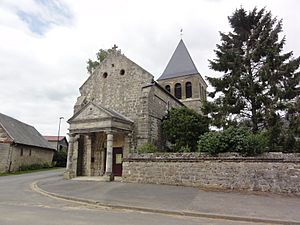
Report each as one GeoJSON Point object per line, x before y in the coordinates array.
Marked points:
{"type": "Point", "coordinates": [120, 107]}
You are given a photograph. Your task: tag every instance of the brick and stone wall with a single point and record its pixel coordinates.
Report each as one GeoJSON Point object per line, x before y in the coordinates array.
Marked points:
{"type": "Point", "coordinates": [278, 173]}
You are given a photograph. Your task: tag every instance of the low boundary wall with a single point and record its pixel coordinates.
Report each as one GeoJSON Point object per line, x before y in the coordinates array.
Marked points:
{"type": "Point", "coordinates": [272, 172]}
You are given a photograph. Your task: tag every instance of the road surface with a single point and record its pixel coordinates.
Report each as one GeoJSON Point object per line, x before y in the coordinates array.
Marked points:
{"type": "Point", "coordinates": [20, 205]}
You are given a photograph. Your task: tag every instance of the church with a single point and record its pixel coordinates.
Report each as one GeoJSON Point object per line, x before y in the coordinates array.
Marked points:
{"type": "Point", "coordinates": [121, 107]}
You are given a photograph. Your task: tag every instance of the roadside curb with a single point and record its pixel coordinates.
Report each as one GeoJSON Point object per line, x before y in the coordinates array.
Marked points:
{"type": "Point", "coordinates": [35, 187]}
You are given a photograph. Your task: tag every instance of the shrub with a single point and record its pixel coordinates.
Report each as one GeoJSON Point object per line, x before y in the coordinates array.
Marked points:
{"type": "Point", "coordinates": [34, 166]}
{"type": "Point", "coordinates": [182, 127]}
{"type": "Point", "coordinates": [211, 143]}
{"type": "Point", "coordinates": [239, 140]}
{"type": "Point", "coordinates": [254, 144]}
{"type": "Point", "coordinates": [147, 148]}
{"type": "Point", "coordinates": [60, 158]}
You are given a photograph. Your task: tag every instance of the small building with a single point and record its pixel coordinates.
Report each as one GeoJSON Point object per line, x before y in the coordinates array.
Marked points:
{"type": "Point", "coordinates": [21, 145]}
{"type": "Point", "coordinates": [58, 142]}
{"type": "Point", "coordinates": [121, 107]}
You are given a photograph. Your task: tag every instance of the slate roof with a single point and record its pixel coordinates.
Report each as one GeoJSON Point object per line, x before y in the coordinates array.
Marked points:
{"type": "Point", "coordinates": [180, 64]}
{"type": "Point", "coordinates": [22, 133]}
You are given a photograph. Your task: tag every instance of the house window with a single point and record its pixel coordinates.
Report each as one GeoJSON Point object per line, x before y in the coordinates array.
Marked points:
{"type": "Point", "coordinates": [178, 91]}
{"type": "Point", "coordinates": [104, 74]}
{"type": "Point", "coordinates": [168, 88]}
{"type": "Point", "coordinates": [21, 152]}
{"type": "Point", "coordinates": [188, 89]}
{"type": "Point", "coordinates": [29, 152]}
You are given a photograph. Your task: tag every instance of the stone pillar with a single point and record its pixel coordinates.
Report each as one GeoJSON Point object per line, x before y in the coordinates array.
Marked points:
{"type": "Point", "coordinates": [88, 155]}
{"type": "Point", "coordinates": [69, 173]}
{"type": "Point", "coordinates": [75, 155]}
{"type": "Point", "coordinates": [109, 158]}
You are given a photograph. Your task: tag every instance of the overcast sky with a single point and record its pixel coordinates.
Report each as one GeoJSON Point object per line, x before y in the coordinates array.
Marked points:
{"type": "Point", "coordinates": [44, 45]}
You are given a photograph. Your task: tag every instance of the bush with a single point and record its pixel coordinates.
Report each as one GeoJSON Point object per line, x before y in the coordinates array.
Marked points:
{"type": "Point", "coordinates": [211, 143]}
{"type": "Point", "coordinates": [254, 144]}
{"type": "Point", "coordinates": [147, 148]}
{"type": "Point", "coordinates": [239, 140]}
{"type": "Point", "coordinates": [182, 127]}
{"type": "Point", "coordinates": [60, 158]}
{"type": "Point", "coordinates": [35, 166]}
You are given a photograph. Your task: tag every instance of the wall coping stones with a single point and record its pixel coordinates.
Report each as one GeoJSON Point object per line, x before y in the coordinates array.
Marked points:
{"type": "Point", "coordinates": [271, 157]}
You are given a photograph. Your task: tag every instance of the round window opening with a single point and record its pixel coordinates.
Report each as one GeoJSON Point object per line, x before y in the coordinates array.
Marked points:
{"type": "Point", "coordinates": [104, 75]}
{"type": "Point", "coordinates": [122, 72]}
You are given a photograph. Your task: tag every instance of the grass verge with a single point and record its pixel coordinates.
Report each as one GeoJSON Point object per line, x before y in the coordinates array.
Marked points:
{"type": "Point", "coordinates": [28, 171]}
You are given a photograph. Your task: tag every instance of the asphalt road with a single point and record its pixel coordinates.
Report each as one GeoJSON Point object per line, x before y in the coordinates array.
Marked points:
{"type": "Point", "coordinates": [20, 205]}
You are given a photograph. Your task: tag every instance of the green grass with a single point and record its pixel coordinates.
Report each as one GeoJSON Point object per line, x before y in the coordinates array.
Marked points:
{"type": "Point", "coordinates": [28, 171]}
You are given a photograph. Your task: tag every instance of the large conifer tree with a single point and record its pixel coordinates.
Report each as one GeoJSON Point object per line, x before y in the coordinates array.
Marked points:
{"type": "Point", "coordinates": [259, 83]}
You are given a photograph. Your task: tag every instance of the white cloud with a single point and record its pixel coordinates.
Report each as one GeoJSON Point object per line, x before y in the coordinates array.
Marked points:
{"type": "Point", "coordinates": [40, 74]}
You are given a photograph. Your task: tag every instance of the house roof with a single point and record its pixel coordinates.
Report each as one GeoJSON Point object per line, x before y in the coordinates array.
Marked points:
{"type": "Point", "coordinates": [54, 138]}
{"type": "Point", "coordinates": [180, 64]}
{"type": "Point", "coordinates": [22, 133]}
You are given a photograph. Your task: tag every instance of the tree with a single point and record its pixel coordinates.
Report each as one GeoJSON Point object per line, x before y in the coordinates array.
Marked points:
{"type": "Point", "coordinates": [101, 55]}
{"type": "Point", "coordinates": [259, 82]}
{"type": "Point", "coordinates": [183, 126]}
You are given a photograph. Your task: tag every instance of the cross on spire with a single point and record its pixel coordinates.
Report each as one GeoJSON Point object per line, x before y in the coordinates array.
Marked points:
{"type": "Point", "coordinates": [114, 48]}
{"type": "Point", "coordinates": [181, 33]}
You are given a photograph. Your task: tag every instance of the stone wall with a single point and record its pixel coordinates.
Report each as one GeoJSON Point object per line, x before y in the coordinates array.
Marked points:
{"type": "Point", "coordinates": [4, 157]}
{"type": "Point", "coordinates": [278, 173]}
{"type": "Point", "coordinates": [31, 155]}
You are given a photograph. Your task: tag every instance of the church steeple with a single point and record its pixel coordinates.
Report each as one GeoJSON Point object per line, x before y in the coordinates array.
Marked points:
{"type": "Point", "coordinates": [180, 64]}
{"type": "Point", "coordinates": [182, 79]}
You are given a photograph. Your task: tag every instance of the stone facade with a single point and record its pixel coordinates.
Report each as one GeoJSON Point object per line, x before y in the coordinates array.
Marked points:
{"type": "Point", "coordinates": [120, 107]}
{"type": "Point", "coordinates": [279, 174]}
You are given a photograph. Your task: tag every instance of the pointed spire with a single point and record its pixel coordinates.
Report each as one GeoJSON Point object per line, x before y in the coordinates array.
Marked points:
{"type": "Point", "coordinates": [180, 63]}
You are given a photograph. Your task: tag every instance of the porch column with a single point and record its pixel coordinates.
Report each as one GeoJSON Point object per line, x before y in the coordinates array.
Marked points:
{"type": "Point", "coordinates": [88, 155]}
{"type": "Point", "coordinates": [109, 152]}
{"type": "Point", "coordinates": [75, 155]}
{"type": "Point", "coordinates": [69, 173]}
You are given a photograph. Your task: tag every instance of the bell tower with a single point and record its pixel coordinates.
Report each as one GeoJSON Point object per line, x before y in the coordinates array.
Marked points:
{"type": "Point", "coordinates": [182, 79]}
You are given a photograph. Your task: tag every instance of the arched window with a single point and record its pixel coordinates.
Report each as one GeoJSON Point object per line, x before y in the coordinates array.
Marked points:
{"type": "Point", "coordinates": [168, 88]}
{"type": "Point", "coordinates": [188, 89]}
{"type": "Point", "coordinates": [178, 91]}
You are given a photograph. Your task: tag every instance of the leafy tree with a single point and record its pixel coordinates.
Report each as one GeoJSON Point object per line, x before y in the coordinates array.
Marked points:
{"type": "Point", "coordinates": [259, 83]}
{"type": "Point", "coordinates": [182, 127]}
{"type": "Point", "coordinates": [101, 55]}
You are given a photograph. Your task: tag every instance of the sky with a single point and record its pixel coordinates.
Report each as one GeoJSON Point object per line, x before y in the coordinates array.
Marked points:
{"type": "Point", "coordinates": [44, 45]}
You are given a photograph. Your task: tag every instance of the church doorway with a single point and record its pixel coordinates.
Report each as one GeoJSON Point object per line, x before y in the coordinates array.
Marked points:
{"type": "Point", "coordinates": [117, 161]}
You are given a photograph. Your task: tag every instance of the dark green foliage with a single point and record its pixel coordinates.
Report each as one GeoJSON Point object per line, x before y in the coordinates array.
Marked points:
{"type": "Point", "coordinates": [35, 166]}
{"type": "Point", "coordinates": [60, 158]}
{"type": "Point", "coordinates": [239, 140]}
{"type": "Point", "coordinates": [147, 148]}
{"type": "Point", "coordinates": [101, 55]}
{"type": "Point", "coordinates": [259, 83]}
{"type": "Point", "coordinates": [182, 127]}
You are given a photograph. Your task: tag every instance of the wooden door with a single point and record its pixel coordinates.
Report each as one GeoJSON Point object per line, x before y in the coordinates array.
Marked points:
{"type": "Point", "coordinates": [117, 161]}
